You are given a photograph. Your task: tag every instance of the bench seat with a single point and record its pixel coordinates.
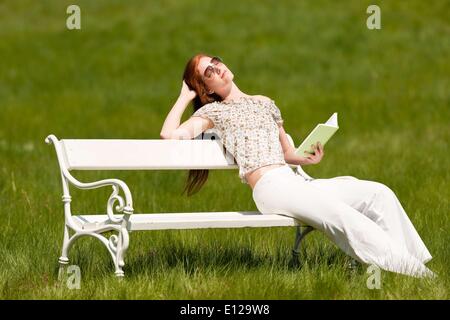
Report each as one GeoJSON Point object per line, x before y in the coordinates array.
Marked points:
{"type": "Point", "coordinates": [194, 220]}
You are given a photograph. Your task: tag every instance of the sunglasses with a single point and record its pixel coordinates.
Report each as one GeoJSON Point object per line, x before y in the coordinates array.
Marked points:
{"type": "Point", "coordinates": [212, 67]}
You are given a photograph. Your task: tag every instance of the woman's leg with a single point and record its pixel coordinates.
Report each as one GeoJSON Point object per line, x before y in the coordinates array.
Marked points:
{"type": "Point", "coordinates": [285, 193]}
{"type": "Point", "coordinates": [380, 204]}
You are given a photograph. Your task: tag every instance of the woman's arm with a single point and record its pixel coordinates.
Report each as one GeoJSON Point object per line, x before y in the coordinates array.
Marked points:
{"type": "Point", "coordinates": [173, 119]}
{"type": "Point", "coordinates": [292, 158]}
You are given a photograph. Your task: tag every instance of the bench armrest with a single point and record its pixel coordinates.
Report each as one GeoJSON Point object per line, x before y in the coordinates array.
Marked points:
{"type": "Point", "coordinates": [125, 205]}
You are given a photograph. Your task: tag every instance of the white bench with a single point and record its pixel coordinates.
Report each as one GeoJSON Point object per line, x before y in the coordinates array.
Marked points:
{"type": "Point", "coordinates": [204, 152]}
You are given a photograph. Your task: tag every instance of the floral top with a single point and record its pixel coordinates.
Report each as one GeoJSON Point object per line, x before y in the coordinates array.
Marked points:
{"type": "Point", "coordinates": [248, 130]}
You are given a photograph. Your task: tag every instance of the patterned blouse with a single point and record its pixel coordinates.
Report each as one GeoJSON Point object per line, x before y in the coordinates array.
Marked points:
{"type": "Point", "coordinates": [248, 130]}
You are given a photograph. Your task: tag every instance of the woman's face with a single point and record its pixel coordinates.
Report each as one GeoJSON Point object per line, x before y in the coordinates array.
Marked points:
{"type": "Point", "coordinates": [215, 74]}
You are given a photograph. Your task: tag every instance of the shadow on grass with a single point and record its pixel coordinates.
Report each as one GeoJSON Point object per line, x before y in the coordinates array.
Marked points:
{"type": "Point", "coordinates": [225, 259]}
{"type": "Point", "coordinates": [94, 260]}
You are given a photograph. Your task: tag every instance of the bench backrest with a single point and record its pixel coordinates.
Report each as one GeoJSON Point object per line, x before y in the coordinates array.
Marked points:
{"type": "Point", "coordinates": [145, 154]}
{"type": "Point", "coordinates": [206, 151]}
{"type": "Point", "coordinates": [203, 152]}
{"type": "Point", "coordinates": [133, 154]}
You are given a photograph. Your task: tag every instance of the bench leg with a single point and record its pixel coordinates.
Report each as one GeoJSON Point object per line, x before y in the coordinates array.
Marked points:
{"type": "Point", "coordinates": [298, 239]}
{"type": "Point", "coordinates": [63, 259]}
{"type": "Point", "coordinates": [117, 245]}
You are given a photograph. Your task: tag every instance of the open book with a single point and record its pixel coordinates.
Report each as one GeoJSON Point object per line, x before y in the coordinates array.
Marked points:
{"type": "Point", "coordinates": [322, 132]}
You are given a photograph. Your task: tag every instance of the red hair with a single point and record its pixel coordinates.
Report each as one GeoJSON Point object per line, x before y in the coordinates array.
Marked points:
{"type": "Point", "coordinates": [197, 178]}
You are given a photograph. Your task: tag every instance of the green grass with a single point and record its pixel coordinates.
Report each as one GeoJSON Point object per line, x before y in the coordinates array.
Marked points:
{"type": "Point", "coordinates": [119, 76]}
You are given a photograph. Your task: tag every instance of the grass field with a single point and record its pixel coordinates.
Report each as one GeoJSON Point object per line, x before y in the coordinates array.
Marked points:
{"type": "Point", "coordinates": [120, 74]}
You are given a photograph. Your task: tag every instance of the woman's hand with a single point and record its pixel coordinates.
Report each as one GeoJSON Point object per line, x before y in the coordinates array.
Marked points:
{"type": "Point", "coordinates": [173, 119]}
{"type": "Point", "coordinates": [187, 93]}
{"type": "Point", "coordinates": [317, 156]}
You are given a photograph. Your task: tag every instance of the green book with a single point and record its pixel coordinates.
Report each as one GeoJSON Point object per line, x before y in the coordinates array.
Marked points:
{"type": "Point", "coordinates": [322, 132]}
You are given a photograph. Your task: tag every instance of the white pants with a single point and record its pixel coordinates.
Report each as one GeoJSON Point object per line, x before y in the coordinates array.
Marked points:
{"type": "Point", "coordinates": [363, 218]}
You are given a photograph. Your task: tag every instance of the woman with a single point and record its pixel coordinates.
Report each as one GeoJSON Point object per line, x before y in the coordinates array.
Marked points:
{"type": "Point", "coordinates": [364, 218]}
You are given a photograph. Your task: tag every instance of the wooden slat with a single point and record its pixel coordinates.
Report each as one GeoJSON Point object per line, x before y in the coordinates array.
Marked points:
{"type": "Point", "coordinates": [153, 154]}
{"type": "Point", "coordinates": [195, 220]}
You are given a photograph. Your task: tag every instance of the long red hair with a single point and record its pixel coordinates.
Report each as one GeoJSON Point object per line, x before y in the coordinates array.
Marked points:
{"type": "Point", "coordinates": [197, 178]}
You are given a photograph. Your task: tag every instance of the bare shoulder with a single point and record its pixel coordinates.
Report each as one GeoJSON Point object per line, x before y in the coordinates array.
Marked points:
{"type": "Point", "coordinates": [262, 98]}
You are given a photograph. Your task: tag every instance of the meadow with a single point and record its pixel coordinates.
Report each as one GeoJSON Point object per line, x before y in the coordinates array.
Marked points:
{"type": "Point", "coordinates": [119, 76]}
